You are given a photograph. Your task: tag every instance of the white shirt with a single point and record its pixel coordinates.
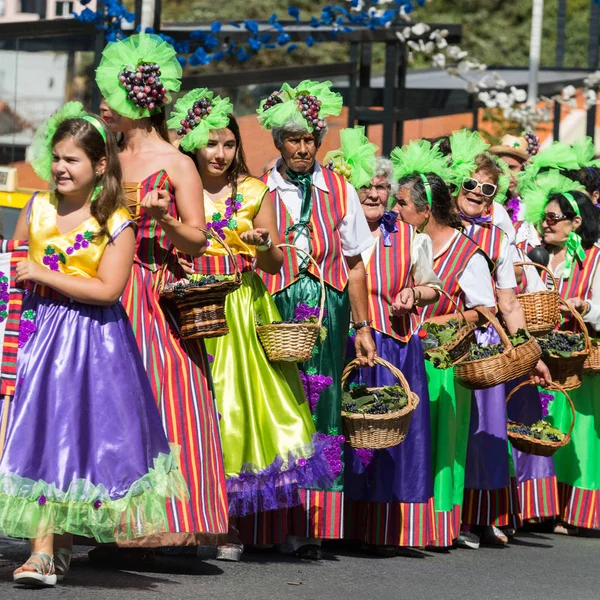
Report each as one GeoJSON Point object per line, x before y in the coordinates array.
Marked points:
{"type": "Point", "coordinates": [421, 260]}
{"type": "Point", "coordinates": [593, 316]}
{"type": "Point", "coordinates": [354, 230]}
{"type": "Point", "coordinates": [528, 233]}
{"type": "Point", "coordinates": [504, 275]}
{"type": "Point", "coordinates": [500, 218]}
{"type": "Point", "coordinates": [475, 281]}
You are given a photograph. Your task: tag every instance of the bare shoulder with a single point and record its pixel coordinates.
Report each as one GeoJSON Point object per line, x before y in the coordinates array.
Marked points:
{"type": "Point", "coordinates": [179, 165]}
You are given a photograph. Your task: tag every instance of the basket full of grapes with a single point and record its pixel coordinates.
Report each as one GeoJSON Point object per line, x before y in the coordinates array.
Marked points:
{"type": "Point", "coordinates": [565, 353]}
{"type": "Point", "coordinates": [293, 340]}
{"type": "Point", "coordinates": [540, 438]}
{"type": "Point", "coordinates": [198, 303]}
{"type": "Point", "coordinates": [486, 366]}
{"type": "Point", "coordinates": [377, 418]}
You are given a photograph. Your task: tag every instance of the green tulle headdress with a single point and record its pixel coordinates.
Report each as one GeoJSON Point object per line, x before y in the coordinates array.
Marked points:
{"type": "Point", "coordinates": [196, 114]}
{"type": "Point", "coordinates": [465, 146]}
{"type": "Point", "coordinates": [41, 145]}
{"type": "Point", "coordinates": [557, 156]}
{"type": "Point", "coordinates": [146, 64]}
{"type": "Point", "coordinates": [420, 157]}
{"type": "Point", "coordinates": [355, 159]}
{"type": "Point", "coordinates": [308, 105]}
{"type": "Point", "coordinates": [535, 193]}
{"type": "Point", "coordinates": [585, 151]}
{"type": "Point", "coordinates": [503, 179]}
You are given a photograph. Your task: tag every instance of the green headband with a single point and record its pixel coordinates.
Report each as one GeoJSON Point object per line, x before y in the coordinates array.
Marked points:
{"type": "Point", "coordinates": [573, 203]}
{"type": "Point", "coordinates": [427, 188]}
{"type": "Point", "coordinates": [97, 125]}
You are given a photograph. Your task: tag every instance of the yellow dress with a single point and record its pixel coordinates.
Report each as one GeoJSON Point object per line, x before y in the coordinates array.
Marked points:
{"type": "Point", "coordinates": [270, 445]}
{"type": "Point", "coordinates": [85, 449]}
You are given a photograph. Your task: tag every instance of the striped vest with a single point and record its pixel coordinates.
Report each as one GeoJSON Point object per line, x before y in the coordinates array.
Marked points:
{"type": "Point", "coordinates": [489, 239]}
{"type": "Point", "coordinates": [580, 283]}
{"type": "Point", "coordinates": [389, 270]}
{"type": "Point", "coordinates": [329, 208]}
{"type": "Point", "coordinates": [448, 266]}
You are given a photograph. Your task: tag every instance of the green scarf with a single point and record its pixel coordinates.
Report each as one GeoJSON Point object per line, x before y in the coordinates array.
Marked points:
{"type": "Point", "coordinates": [573, 244]}
{"type": "Point", "coordinates": [303, 226]}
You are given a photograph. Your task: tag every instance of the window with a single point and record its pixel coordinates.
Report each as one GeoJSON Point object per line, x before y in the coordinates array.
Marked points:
{"type": "Point", "coordinates": [64, 8]}
{"type": "Point", "coordinates": [37, 7]}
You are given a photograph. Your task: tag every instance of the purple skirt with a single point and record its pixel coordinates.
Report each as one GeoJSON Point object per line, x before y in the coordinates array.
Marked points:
{"type": "Point", "coordinates": [402, 473]}
{"type": "Point", "coordinates": [84, 427]}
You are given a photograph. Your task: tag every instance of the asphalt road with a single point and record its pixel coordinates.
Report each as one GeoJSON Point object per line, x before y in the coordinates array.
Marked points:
{"type": "Point", "coordinates": [536, 566]}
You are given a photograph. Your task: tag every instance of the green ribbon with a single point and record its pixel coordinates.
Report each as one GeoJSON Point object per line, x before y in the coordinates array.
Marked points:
{"type": "Point", "coordinates": [302, 227]}
{"type": "Point", "coordinates": [427, 188]}
{"type": "Point", "coordinates": [573, 243]}
{"type": "Point", "coordinates": [574, 249]}
{"type": "Point", "coordinates": [97, 191]}
{"type": "Point", "coordinates": [96, 124]}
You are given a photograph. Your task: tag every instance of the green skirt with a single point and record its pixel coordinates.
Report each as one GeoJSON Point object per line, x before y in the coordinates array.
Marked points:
{"type": "Point", "coordinates": [268, 436]}
{"type": "Point", "coordinates": [450, 416]}
{"type": "Point", "coordinates": [578, 463]}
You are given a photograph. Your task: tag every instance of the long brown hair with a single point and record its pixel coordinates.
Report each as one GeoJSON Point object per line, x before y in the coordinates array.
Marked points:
{"type": "Point", "coordinates": [238, 169]}
{"type": "Point", "coordinates": [89, 139]}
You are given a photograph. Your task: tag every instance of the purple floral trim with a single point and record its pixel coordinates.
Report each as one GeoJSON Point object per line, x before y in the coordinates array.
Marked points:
{"type": "Point", "coordinates": [278, 485]}
{"type": "Point", "coordinates": [314, 384]}
{"type": "Point", "coordinates": [27, 327]}
{"type": "Point", "coordinates": [514, 208]}
{"type": "Point", "coordinates": [304, 312]}
{"type": "Point", "coordinates": [4, 297]}
{"type": "Point", "coordinates": [545, 399]}
{"type": "Point", "coordinates": [366, 456]}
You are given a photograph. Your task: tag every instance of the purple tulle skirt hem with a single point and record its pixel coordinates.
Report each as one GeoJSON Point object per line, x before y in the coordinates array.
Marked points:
{"type": "Point", "coordinates": [278, 485]}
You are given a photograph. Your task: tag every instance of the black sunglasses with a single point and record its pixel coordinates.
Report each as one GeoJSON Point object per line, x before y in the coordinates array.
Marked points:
{"type": "Point", "coordinates": [487, 189]}
{"type": "Point", "coordinates": [552, 218]}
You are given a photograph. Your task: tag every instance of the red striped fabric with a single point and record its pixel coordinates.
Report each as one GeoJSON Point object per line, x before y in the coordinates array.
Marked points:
{"type": "Point", "coordinates": [489, 238]}
{"type": "Point", "coordinates": [448, 266]}
{"type": "Point", "coordinates": [579, 507]}
{"type": "Point", "coordinates": [10, 342]}
{"type": "Point", "coordinates": [329, 209]}
{"type": "Point", "coordinates": [388, 272]}
{"type": "Point", "coordinates": [447, 524]}
{"type": "Point", "coordinates": [491, 507]}
{"type": "Point", "coordinates": [538, 498]}
{"type": "Point", "coordinates": [179, 375]}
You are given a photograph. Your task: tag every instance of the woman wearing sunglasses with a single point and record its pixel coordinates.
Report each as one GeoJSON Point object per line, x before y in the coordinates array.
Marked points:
{"type": "Point", "coordinates": [424, 201]}
{"type": "Point", "coordinates": [570, 227]}
{"type": "Point", "coordinates": [475, 176]}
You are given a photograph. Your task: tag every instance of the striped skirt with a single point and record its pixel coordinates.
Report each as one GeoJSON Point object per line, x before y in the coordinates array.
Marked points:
{"type": "Point", "coordinates": [180, 379]}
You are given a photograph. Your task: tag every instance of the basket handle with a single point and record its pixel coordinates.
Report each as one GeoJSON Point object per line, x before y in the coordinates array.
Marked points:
{"type": "Point", "coordinates": [537, 266]}
{"type": "Point", "coordinates": [449, 297]}
{"type": "Point", "coordinates": [482, 310]}
{"type": "Point", "coordinates": [321, 281]}
{"type": "Point", "coordinates": [550, 385]}
{"type": "Point", "coordinates": [208, 234]}
{"type": "Point", "coordinates": [353, 364]}
{"type": "Point", "coordinates": [580, 322]}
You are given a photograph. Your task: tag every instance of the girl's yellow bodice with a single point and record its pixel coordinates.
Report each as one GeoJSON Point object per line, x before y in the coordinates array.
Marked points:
{"type": "Point", "coordinates": [77, 252]}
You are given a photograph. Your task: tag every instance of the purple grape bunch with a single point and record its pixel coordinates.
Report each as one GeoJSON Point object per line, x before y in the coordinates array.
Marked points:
{"type": "Point", "coordinates": [272, 100]}
{"type": "Point", "coordinates": [310, 106]}
{"type": "Point", "coordinates": [4, 296]}
{"type": "Point", "coordinates": [201, 109]}
{"type": "Point", "coordinates": [143, 86]}
{"type": "Point", "coordinates": [533, 143]}
{"type": "Point", "coordinates": [314, 384]}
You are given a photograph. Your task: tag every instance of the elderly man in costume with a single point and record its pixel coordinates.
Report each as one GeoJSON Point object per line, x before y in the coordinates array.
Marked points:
{"type": "Point", "coordinates": [319, 212]}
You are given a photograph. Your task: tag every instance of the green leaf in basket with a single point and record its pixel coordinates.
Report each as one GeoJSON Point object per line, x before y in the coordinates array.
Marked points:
{"type": "Point", "coordinates": [439, 358]}
{"type": "Point", "coordinates": [323, 333]}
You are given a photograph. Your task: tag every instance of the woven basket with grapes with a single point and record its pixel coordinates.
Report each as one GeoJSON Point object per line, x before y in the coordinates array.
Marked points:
{"type": "Point", "coordinates": [540, 438]}
{"type": "Point", "coordinates": [565, 353]}
{"type": "Point", "coordinates": [199, 304]}
{"type": "Point", "coordinates": [487, 366]}
{"type": "Point", "coordinates": [377, 418]}
{"type": "Point", "coordinates": [591, 366]}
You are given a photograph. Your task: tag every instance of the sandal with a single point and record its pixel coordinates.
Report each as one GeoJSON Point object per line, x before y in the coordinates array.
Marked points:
{"type": "Point", "coordinates": [43, 576]}
{"type": "Point", "coordinates": [62, 562]}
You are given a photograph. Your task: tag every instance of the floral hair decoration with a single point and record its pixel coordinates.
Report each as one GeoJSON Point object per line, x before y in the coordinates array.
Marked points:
{"type": "Point", "coordinates": [196, 114]}
{"type": "Point", "coordinates": [308, 105]}
{"type": "Point", "coordinates": [355, 159]}
{"type": "Point", "coordinates": [136, 75]}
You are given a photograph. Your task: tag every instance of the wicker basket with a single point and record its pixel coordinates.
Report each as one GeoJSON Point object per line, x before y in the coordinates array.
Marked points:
{"type": "Point", "coordinates": [459, 347]}
{"type": "Point", "coordinates": [511, 364]}
{"type": "Point", "coordinates": [540, 447]}
{"type": "Point", "coordinates": [542, 310]}
{"type": "Point", "coordinates": [292, 342]}
{"type": "Point", "coordinates": [568, 372]}
{"type": "Point", "coordinates": [378, 431]}
{"type": "Point", "coordinates": [200, 310]}
{"type": "Point", "coordinates": [591, 366]}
